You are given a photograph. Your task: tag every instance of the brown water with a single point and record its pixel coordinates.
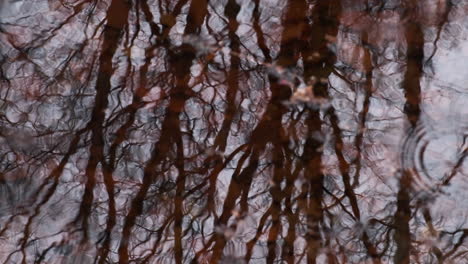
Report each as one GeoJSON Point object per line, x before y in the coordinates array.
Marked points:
{"type": "Point", "coordinates": [234, 131]}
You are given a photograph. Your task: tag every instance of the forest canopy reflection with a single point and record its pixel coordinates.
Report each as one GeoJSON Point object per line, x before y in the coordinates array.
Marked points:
{"type": "Point", "coordinates": [233, 131]}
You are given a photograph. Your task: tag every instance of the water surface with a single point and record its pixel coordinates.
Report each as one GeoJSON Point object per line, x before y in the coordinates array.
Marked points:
{"type": "Point", "coordinates": [233, 131]}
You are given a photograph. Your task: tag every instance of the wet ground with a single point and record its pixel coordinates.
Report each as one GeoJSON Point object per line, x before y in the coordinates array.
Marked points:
{"type": "Point", "coordinates": [233, 131]}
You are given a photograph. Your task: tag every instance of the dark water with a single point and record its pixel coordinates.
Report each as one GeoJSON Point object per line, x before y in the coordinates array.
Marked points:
{"type": "Point", "coordinates": [234, 131]}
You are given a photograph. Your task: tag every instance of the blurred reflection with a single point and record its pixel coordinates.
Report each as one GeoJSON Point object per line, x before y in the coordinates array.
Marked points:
{"type": "Point", "coordinates": [233, 131]}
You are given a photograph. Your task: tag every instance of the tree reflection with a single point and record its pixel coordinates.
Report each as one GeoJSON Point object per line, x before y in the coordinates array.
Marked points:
{"type": "Point", "coordinates": [231, 132]}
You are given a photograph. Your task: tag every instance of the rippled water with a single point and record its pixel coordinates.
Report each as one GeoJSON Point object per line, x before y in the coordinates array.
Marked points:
{"type": "Point", "coordinates": [233, 131]}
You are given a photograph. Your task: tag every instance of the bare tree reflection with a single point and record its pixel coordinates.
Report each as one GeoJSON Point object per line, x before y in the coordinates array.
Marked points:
{"type": "Point", "coordinates": [232, 132]}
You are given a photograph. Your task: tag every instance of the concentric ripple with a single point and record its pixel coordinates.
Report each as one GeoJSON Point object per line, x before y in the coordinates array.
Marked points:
{"type": "Point", "coordinates": [427, 146]}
